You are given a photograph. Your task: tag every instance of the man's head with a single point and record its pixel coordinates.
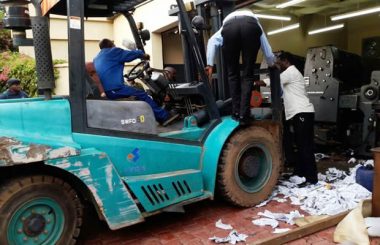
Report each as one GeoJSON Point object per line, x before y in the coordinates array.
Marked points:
{"type": "Point", "coordinates": [284, 60]}
{"type": "Point", "coordinates": [14, 84]}
{"type": "Point", "coordinates": [171, 73]}
{"type": "Point", "coordinates": [106, 43]}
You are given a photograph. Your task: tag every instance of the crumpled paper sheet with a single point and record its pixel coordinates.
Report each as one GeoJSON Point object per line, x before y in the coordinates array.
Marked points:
{"type": "Point", "coordinates": [320, 156]}
{"type": "Point", "coordinates": [266, 222]}
{"type": "Point", "coordinates": [297, 180]}
{"type": "Point", "coordinates": [352, 228]}
{"type": "Point", "coordinates": [284, 217]}
{"type": "Point", "coordinates": [232, 238]}
{"type": "Point", "coordinates": [219, 224]}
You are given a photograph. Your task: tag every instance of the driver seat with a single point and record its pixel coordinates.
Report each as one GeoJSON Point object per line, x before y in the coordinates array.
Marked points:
{"type": "Point", "coordinates": [127, 116]}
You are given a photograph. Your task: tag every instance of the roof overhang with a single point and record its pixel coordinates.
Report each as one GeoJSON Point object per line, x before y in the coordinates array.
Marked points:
{"type": "Point", "coordinates": [93, 8]}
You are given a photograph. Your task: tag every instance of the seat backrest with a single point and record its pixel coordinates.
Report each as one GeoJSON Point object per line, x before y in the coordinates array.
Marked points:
{"type": "Point", "coordinates": [127, 116]}
{"type": "Point", "coordinates": [92, 91]}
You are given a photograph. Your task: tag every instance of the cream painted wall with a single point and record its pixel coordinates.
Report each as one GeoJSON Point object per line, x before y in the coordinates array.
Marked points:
{"type": "Point", "coordinates": [154, 15]}
{"type": "Point", "coordinates": [298, 41]}
{"type": "Point", "coordinates": [172, 48]}
{"type": "Point", "coordinates": [95, 29]}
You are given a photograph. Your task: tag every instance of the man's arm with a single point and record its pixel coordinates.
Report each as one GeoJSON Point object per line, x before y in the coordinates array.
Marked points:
{"type": "Point", "coordinates": [128, 55]}
{"type": "Point", "coordinates": [3, 96]}
{"type": "Point", "coordinates": [261, 83]}
{"type": "Point", "coordinates": [266, 48]}
{"type": "Point", "coordinates": [215, 41]}
{"type": "Point", "coordinates": [285, 77]}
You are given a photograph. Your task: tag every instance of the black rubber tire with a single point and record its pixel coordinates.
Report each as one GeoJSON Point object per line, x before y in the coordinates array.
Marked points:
{"type": "Point", "coordinates": [227, 183]}
{"type": "Point", "coordinates": [18, 191]}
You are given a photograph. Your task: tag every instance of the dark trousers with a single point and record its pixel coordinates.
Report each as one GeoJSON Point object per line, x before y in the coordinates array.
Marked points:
{"type": "Point", "coordinates": [160, 114]}
{"type": "Point", "coordinates": [241, 35]}
{"type": "Point", "coordinates": [303, 125]}
{"type": "Point", "coordinates": [288, 142]}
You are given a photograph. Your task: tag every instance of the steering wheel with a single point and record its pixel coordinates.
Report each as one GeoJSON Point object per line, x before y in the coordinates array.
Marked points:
{"type": "Point", "coordinates": [137, 70]}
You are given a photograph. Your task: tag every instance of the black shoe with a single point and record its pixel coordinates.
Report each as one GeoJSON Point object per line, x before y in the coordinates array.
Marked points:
{"type": "Point", "coordinates": [287, 176]}
{"type": "Point", "coordinates": [307, 183]}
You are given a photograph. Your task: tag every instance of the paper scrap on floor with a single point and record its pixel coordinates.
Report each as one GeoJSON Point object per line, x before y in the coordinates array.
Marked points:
{"type": "Point", "coordinates": [219, 224]}
{"type": "Point", "coordinates": [280, 230]}
{"type": "Point", "coordinates": [232, 238]}
{"type": "Point", "coordinates": [335, 192]}
{"type": "Point", "coordinates": [288, 218]}
{"type": "Point", "coordinates": [265, 222]}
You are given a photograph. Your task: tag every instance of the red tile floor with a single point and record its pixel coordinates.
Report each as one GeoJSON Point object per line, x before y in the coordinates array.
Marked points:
{"type": "Point", "coordinates": [197, 225]}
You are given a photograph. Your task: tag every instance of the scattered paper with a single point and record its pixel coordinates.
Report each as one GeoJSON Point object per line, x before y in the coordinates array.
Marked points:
{"type": "Point", "coordinates": [232, 238]}
{"type": "Point", "coordinates": [265, 221]}
{"type": "Point", "coordinates": [297, 180]}
{"type": "Point", "coordinates": [336, 192]}
{"type": "Point", "coordinates": [280, 200]}
{"type": "Point", "coordinates": [279, 230]}
{"type": "Point", "coordinates": [320, 156]}
{"type": "Point", "coordinates": [219, 224]}
{"type": "Point", "coordinates": [373, 226]}
{"type": "Point", "coordinates": [288, 218]}
{"type": "Point", "coordinates": [270, 198]}
{"type": "Point", "coordinates": [369, 162]}
{"type": "Point", "coordinates": [352, 160]}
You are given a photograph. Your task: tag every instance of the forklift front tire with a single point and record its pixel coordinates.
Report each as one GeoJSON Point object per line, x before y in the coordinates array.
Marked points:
{"type": "Point", "coordinates": [249, 167]}
{"type": "Point", "coordinates": [40, 210]}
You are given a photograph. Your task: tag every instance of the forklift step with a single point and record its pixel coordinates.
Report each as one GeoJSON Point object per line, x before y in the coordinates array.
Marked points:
{"type": "Point", "coordinates": [156, 191]}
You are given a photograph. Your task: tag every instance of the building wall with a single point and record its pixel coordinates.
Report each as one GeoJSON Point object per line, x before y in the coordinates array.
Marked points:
{"type": "Point", "coordinates": [298, 41]}
{"type": "Point", "coordinates": [360, 28]}
{"type": "Point", "coordinates": [154, 15]}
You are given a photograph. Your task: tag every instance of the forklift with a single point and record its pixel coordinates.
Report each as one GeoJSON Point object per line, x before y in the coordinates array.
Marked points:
{"type": "Point", "coordinates": [60, 153]}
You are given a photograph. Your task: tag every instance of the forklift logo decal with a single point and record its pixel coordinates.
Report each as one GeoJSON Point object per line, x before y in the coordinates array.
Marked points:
{"type": "Point", "coordinates": [139, 119]}
{"type": "Point", "coordinates": [134, 155]}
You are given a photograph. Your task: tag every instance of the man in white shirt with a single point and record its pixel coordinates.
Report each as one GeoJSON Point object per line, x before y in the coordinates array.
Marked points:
{"type": "Point", "coordinates": [299, 112]}
{"type": "Point", "coordinates": [241, 33]}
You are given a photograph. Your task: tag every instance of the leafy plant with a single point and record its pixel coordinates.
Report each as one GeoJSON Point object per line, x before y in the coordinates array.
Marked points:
{"type": "Point", "coordinates": [22, 67]}
{"type": "Point", "coordinates": [5, 35]}
{"type": "Point", "coordinates": [17, 65]}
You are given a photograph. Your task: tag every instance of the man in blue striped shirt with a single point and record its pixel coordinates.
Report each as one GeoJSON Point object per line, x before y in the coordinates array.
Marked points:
{"type": "Point", "coordinates": [241, 33]}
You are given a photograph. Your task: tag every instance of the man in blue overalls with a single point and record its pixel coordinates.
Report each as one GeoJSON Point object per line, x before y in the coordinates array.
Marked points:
{"type": "Point", "coordinates": [109, 65]}
{"type": "Point", "coordinates": [14, 90]}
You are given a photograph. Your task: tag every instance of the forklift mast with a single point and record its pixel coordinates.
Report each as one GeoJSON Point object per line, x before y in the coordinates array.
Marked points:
{"type": "Point", "coordinates": [213, 12]}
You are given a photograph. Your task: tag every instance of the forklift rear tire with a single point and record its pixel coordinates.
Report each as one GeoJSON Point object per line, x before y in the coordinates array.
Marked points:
{"type": "Point", "coordinates": [249, 167]}
{"type": "Point", "coordinates": [39, 210]}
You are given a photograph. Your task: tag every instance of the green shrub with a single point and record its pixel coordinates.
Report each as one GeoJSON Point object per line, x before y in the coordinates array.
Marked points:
{"type": "Point", "coordinates": [22, 67]}
{"type": "Point", "coordinates": [5, 36]}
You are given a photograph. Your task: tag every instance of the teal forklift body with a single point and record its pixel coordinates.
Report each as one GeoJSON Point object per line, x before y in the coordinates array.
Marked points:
{"type": "Point", "coordinates": [160, 172]}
